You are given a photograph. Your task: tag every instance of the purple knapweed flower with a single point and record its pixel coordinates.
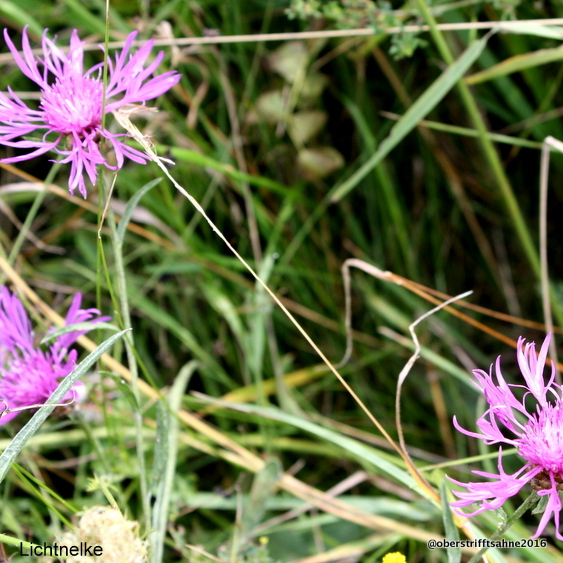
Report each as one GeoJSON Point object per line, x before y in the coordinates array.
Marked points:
{"type": "Point", "coordinates": [70, 111]}
{"type": "Point", "coordinates": [29, 374]}
{"type": "Point", "coordinates": [536, 431]}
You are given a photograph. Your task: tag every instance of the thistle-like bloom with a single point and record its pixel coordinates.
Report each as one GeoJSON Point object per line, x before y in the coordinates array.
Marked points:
{"type": "Point", "coordinates": [532, 424]}
{"type": "Point", "coordinates": [29, 374]}
{"type": "Point", "coordinates": [69, 117]}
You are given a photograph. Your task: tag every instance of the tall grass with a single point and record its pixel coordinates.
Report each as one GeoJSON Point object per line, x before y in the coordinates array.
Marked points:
{"type": "Point", "coordinates": [252, 450]}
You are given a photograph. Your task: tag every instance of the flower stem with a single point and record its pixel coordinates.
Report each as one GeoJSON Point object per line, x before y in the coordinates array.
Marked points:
{"type": "Point", "coordinates": [121, 291]}
{"type": "Point", "coordinates": [528, 503]}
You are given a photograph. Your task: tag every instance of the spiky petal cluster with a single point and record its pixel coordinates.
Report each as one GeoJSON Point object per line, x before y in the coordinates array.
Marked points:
{"type": "Point", "coordinates": [69, 117]}
{"type": "Point", "coordinates": [536, 432]}
{"type": "Point", "coordinates": [29, 374]}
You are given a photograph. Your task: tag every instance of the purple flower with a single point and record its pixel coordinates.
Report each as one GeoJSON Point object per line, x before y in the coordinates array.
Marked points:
{"type": "Point", "coordinates": [70, 111]}
{"type": "Point", "coordinates": [30, 374]}
{"type": "Point", "coordinates": [535, 430]}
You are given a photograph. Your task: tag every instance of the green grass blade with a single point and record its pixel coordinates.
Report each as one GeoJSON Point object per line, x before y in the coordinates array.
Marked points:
{"type": "Point", "coordinates": [516, 64]}
{"type": "Point", "coordinates": [164, 485]}
{"type": "Point", "coordinates": [452, 534]}
{"type": "Point", "coordinates": [468, 132]}
{"type": "Point", "coordinates": [83, 17]}
{"type": "Point", "coordinates": [419, 110]}
{"type": "Point", "coordinates": [130, 207]}
{"type": "Point", "coordinates": [12, 11]}
{"type": "Point", "coordinates": [185, 155]}
{"type": "Point", "coordinates": [362, 451]}
{"type": "Point", "coordinates": [86, 326]}
{"type": "Point", "coordinates": [529, 28]}
{"type": "Point", "coordinates": [160, 447]}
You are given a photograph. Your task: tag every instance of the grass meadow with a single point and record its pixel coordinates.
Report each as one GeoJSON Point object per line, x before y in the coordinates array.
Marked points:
{"type": "Point", "coordinates": [366, 161]}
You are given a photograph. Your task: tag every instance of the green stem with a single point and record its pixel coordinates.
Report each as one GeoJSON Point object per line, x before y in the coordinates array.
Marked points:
{"type": "Point", "coordinates": [528, 503]}
{"type": "Point", "coordinates": [121, 291]}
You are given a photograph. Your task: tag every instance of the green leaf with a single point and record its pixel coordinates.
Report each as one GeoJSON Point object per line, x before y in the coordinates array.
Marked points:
{"type": "Point", "coordinates": [542, 505]}
{"type": "Point", "coordinates": [319, 162]}
{"type": "Point", "coordinates": [419, 110]}
{"type": "Point", "coordinates": [306, 124]}
{"type": "Point", "coordinates": [263, 489]}
{"type": "Point", "coordinates": [160, 446]}
{"type": "Point", "coordinates": [204, 161]}
{"type": "Point", "coordinates": [516, 64]}
{"type": "Point", "coordinates": [86, 326]}
{"type": "Point", "coordinates": [12, 11]}
{"type": "Point", "coordinates": [81, 16]}
{"type": "Point", "coordinates": [452, 533]}
{"type": "Point", "coordinates": [130, 207]}
{"type": "Point", "coordinates": [169, 440]}
{"type": "Point", "coordinates": [289, 60]}
{"type": "Point", "coordinates": [271, 107]}
{"type": "Point", "coordinates": [366, 453]}
{"type": "Point", "coordinates": [124, 388]}
{"type": "Point", "coordinates": [530, 28]}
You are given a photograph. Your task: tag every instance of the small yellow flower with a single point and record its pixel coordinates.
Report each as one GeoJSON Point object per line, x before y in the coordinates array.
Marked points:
{"type": "Point", "coordinates": [394, 558]}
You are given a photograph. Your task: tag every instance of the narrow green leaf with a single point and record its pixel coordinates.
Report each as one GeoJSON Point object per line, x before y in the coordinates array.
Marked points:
{"type": "Point", "coordinates": [542, 505]}
{"type": "Point", "coordinates": [529, 28]}
{"type": "Point", "coordinates": [263, 489]}
{"type": "Point", "coordinates": [256, 344]}
{"type": "Point", "coordinates": [13, 12]}
{"type": "Point", "coordinates": [16, 542]}
{"type": "Point", "coordinates": [124, 388]}
{"type": "Point", "coordinates": [356, 448]}
{"type": "Point", "coordinates": [419, 110]}
{"type": "Point", "coordinates": [452, 533]}
{"type": "Point", "coordinates": [20, 440]}
{"type": "Point", "coordinates": [204, 161]}
{"type": "Point", "coordinates": [160, 447]}
{"type": "Point", "coordinates": [516, 64]}
{"type": "Point", "coordinates": [86, 326]}
{"type": "Point", "coordinates": [164, 486]}
{"type": "Point", "coordinates": [468, 132]}
{"type": "Point", "coordinates": [82, 14]}
{"type": "Point", "coordinates": [130, 207]}
{"type": "Point", "coordinates": [83, 17]}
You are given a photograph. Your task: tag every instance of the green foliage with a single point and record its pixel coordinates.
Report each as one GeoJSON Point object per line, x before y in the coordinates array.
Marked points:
{"type": "Point", "coordinates": [355, 14]}
{"type": "Point", "coordinates": [380, 15]}
{"type": "Point", "coordinates": [304, 153]}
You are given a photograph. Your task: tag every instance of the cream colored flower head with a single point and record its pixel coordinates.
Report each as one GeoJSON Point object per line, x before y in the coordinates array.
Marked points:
{"type": "Point", "coordinates": [108, 528]}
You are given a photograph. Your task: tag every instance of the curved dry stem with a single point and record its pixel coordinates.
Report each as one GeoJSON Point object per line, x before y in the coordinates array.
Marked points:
{"type": "Point", "coordinates": [368, 269]}
{"type": "Point", "coordinates": [548, 143]}
{"type": "Point", "coordinates": [405, 371]}
{"type": "Point", "coordinates": [7, 410]}
{"type": "Point", "coordinates": [428, 294]}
